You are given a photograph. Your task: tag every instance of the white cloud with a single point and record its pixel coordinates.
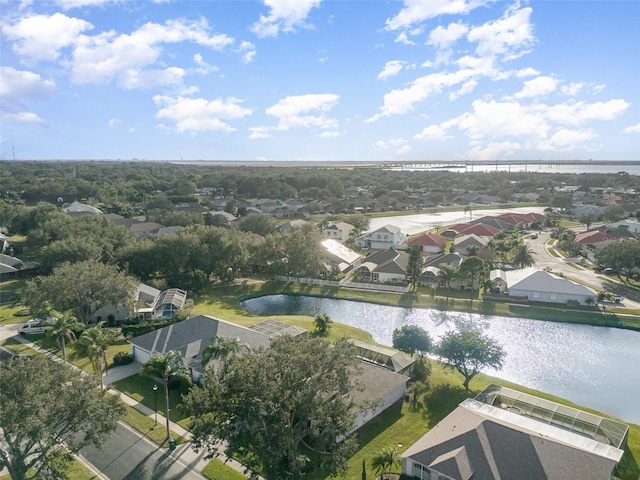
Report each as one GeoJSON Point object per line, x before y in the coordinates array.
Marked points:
{"type": "Point", "coordinates": [467, 87]}
{"type": "Point", "coordinates": [493, 150]}
{"type": "Point", "coordinates": [204, 67]}
{"type": "Point", "coordinates": [247, 50]}
{"type": "Point", "coordinates": [565, 139]}
{"type": "Point", "coordinates": [19, 84]}
{"type": "Point", "coordinates": [330, 134]}
{"type": "Point", "coordinates": [632, 129]}
{"type": "Point", "coordinates": [113, 122]}
{"type": "Point", "coordinates": [527, 72]}
{"type": "Point", "coordinates": [432, 132]}
{"type": "Point", "coordinates": [537, 87]}
{"type": "Point", "coordinates": [580, 112]}
{"type": "Point", "coordinates": [294, 111]}
{"type": "Point", "coordinates": [442, 37]}
{"type": "Point", "coordinates": [507, 36]}
{"type": "Point", "coordinates": [198, 114]}
{"type": "Point", "coordinates": [25, 117]}
{"type": "Point", "coordinates": [41, 37]}
{"type": "Point", "coordinates": [405, 149]}
{"type": "Point", "coordinates": [572, 89]}
{"type": "Point", "coordinates": [285, 15]}
{"type": "Point", "coordinates": [391, 69]}
{"type": "Point", "coordinates": [259, 133]}
{"type": "Point", "coordinates": [68, 4]}
{"type": "Point", "coordinates": [106, 57]}
{"type": "Point", "coordinates": [417, 11]}
{"type": "Point", "coordinates": [404, 39]}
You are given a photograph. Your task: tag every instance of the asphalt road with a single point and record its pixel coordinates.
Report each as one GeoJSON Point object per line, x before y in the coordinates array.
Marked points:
{"type": "Point", "coordinates": [597, 281]}
{"type": "Point", "coordinates": [127, 456]}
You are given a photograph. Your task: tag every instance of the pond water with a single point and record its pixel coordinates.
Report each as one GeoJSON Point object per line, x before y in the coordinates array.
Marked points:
{"type": "Point", "coordinates": [596, 367]}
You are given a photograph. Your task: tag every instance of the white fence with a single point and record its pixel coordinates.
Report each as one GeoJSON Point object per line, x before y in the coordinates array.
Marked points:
{"type": "Point", "coordinates": [345, 283]}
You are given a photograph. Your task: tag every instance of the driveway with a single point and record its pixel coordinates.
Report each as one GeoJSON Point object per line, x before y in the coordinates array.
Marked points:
{"type": "Point", "coordinates": [128, 456]}
{"type": "Point", "coordinates": [8, 330]}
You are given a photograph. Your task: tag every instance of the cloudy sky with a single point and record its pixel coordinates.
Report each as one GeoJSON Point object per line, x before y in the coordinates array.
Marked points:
{"type": "Point", "coordinates": [320, 80]}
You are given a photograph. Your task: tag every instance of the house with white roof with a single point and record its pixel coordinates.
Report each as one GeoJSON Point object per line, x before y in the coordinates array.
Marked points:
{"type": "Point", "coordinates": [337, 255]}
{"type": "Point", "coordinates": [541, 286]}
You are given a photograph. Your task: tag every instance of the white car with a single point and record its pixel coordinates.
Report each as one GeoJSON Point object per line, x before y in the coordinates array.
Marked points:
{"type": "Point", "coordinates": [34, 326]}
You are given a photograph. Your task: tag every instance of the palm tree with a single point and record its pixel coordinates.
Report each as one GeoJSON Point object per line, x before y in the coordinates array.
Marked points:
{"type": "Point", "coordinates": [468, 209]}
{"type": "Point", "coordinates": [384, 461]}
{"type": "Point", "coordinates": [166, 366]}
{"type": "Point", "coordinates": [94, 343]}
{"type": "Point", "coordinates": [322, 323]}
{"type": "Point", "coordinates": [446, 273]}
{"type": "Point", "coordinates": [64, 328]}
{"type": "Point", "coordinates": [522, 256]}
{"type": "Point", "coordinates": [221, 348]}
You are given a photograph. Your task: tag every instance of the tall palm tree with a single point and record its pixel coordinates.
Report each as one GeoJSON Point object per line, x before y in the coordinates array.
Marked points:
{"type": "Point", "coordinates": [446, 273]}
{"type": "Point", "coordinates": [94, 342]}
{"type": "Point", "coordinates": [64, 328]}
{"type": "Point", "coordinates": [166, 366]}
{"type": "Point", "coordinates": [221, 349]}
{"type": "Point", "coordinates": [384, 460]}
{"type": "Point", "coordinates": [522, 256]}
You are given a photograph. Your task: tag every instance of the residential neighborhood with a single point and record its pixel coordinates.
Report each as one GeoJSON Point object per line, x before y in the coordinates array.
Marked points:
{"type": "Point", "coordinates": [181, 270]}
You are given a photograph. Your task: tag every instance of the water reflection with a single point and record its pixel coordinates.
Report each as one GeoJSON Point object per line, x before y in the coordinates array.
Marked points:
{"type": "Point", "coordinates": [592, 366]}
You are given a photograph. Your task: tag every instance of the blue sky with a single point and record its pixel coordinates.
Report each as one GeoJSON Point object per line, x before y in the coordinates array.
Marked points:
{"type": "Point", "coordinates": [320, 80]}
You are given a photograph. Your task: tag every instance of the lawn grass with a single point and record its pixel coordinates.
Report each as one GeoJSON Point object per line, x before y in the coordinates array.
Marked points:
{"type": "Point", "coordinates": [11, 312]}
{"type": "Point", "coordinates": [217, 470]}
{"type": "Point", "coordinates": [140, 388]}
{"type": "Point", "coordinates": [75, 471]}
{"type": "Point", "coordinates": [147, 426]}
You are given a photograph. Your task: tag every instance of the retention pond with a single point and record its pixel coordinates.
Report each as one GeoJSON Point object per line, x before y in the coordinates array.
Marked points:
{"type": "Point", "coordinates": [597, 367]}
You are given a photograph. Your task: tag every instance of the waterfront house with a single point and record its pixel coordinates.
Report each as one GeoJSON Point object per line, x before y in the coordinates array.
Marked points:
{"type": "Point", "coordinates": [385, 237]}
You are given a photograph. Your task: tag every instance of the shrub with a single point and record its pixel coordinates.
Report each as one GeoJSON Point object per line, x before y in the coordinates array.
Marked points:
{"type": "Point", "coordinates": [122, 358]}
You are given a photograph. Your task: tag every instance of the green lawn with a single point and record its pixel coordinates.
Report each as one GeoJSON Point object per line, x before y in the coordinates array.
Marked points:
{"type": "Point", "coordinates": [217, 470]}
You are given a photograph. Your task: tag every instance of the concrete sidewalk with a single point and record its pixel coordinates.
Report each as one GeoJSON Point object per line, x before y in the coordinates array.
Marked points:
{"type": "Point", "coordinates": [183, 452]}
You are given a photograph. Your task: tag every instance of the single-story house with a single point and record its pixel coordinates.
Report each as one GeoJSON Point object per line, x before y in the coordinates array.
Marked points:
{"type": "Point", "coordinates": [479, 229]}
{"type": "Point", "coordinates": [337, 255]}
{"type": "Point", "coordinates": [506, 434]}
{"type": "Point", "coordinates": [429, 242]}
{"type": "Point", "coordinates": [148, 303]}
{"type": "Point", "coordinates": [540, 286]}
{"type": "Point", "coordinates": [13, 267]}
{"type": "Point", "coordinates": [385, 266]}
{"type": "Point", "coordinates": [380, 387]}
{"type": "Point", "coordinates": [79, 208]}
{"type": "Point", "coordinates": [385, 237]}
{"type": "Point", "coordinates": [340, 231]}
{"type": "Point", "coordinates": [431, 267]}
{"type": "Point", "coordinates": [464, 244]}
{"type": "Point", "coordinates": [595, 238]}
{"type": "Point", "coordinates": [287, 226]}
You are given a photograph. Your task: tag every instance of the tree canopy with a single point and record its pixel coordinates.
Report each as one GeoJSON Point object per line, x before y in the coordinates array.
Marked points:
{"type": "Point", "coordinates": [468, 352]}
{"type": "Point", "coordinates": [281, 408]}
{"type": "Point", "coordinates": [621, 256]}
{"type": "Point", "coordinates": [48, 410]}
{"type": "Point", "coordinates": [411, 339]}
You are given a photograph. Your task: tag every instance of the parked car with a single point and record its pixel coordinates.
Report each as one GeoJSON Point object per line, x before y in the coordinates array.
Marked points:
{"type": "Point", "coordinates": [609, 271]}
{"type": "Point", "coordinates": [618, 298]}
{"type": "Point", "coordinates": [34, 326]}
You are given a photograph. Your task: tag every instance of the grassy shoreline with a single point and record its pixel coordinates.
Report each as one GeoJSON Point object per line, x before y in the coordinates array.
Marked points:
{"type": "Point", "coordinates": [228, 299]}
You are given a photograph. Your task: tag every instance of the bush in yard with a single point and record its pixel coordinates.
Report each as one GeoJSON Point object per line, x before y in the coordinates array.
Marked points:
{"type": "Point", "coordinates": [122, 358]}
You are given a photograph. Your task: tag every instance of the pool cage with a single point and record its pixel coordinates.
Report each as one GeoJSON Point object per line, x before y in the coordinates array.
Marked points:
{"type": "Point", "coordinates": [600, 429]}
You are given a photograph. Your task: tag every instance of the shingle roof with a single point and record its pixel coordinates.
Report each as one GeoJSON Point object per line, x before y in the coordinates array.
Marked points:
{"type": "Point", "coordinates": [191, 336]}
{"type": "Point", "coordinates": [496, 448]}
{"type": "Point", "coordinates": [429, 239]}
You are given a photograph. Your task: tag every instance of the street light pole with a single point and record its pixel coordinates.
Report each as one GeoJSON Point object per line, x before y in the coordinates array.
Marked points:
{"type": "Point", "coordinates": [155, 402]}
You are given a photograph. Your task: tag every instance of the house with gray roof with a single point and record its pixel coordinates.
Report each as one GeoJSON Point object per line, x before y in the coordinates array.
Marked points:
{"type": "Point", "coordinates": [541, 286]}
{"type": "Point", "coordinates": [379, 387]}
{"type": "Point", "coordinates": [338, 255]}
{"type": "Point", "coordinates": [13, 267]}
{"type": "Point", "coordinates": [385, 266]}
{"type": "Point", "coordinates": [506, 434]}
{"type": "Point", "coordinates": [79, 208]}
